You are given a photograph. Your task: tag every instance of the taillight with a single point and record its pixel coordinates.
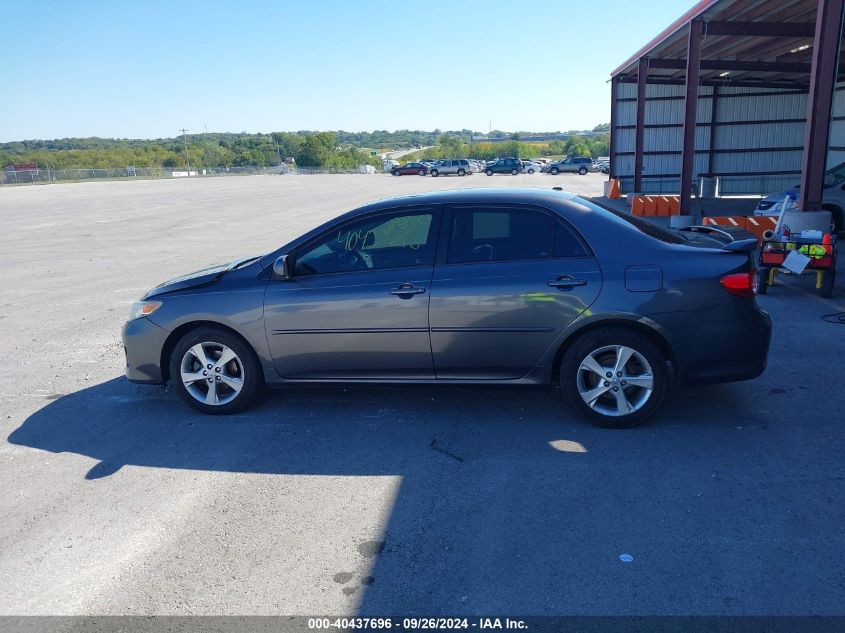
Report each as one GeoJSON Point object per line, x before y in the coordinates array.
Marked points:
{"type": "Point", "coordinates": [741, 284]}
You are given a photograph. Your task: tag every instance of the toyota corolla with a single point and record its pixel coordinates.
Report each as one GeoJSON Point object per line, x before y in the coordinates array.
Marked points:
{"type": "Point", "coordinates": [480, 286]}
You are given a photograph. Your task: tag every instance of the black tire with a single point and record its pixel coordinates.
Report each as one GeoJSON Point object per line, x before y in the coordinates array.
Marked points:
{"type": "Point", "coordinates": [396, 172]}
{"type": "Point", "coordinates": [530, 171]}
{"type": "Point", "coordinates": [421, 172]}
{"type": "Point", "coordinates": [837, 217]}
{"type": "Point", "coordinates": [827, 282]}
{"type": "Point", "coordinates": [462, 172]}
{"type": "Point", "coordinates": [489, 172]}
{"type": "Point", "coordinates": [248, 369]}
{"type": "Point", "coordinates": [435, 173]}
{"type": "Point", "coordinates": [554, 171]}
{"type": "Point", "coordinates": [611, 336]}
{"type": "Point", "coordinates": [762, 281]}
{"type": "Point", "coordinates": [583, 171]}
{"type": "Point", "coordinates": [514, 171]}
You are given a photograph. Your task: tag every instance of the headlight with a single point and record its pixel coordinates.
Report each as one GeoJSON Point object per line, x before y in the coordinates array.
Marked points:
{"type": "Point", "coordinates": [143, 309]}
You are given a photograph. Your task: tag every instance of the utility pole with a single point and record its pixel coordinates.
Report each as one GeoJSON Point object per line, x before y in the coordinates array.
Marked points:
{"type": "Point", "coordinates": [187, 161]}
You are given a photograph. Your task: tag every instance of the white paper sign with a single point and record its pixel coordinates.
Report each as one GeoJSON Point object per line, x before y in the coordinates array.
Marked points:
{"type": "Point", "coordinates": [796, 262]}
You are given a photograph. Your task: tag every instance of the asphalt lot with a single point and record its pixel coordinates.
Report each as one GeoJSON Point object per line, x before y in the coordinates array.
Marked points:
{"type": "Point", "coordinates": [118, 499]}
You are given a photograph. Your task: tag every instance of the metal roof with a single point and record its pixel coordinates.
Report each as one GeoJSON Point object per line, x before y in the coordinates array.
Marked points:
{"type": "Point", "coordinates": [781, 54]}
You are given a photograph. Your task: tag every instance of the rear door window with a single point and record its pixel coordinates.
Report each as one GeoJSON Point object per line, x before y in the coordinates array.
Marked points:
{"type": "Point", "coordinates": [480, 234]}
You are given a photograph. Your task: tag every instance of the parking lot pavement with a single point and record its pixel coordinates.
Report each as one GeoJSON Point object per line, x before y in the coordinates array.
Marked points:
{"type": "Point", "coordinates": [118, 499]}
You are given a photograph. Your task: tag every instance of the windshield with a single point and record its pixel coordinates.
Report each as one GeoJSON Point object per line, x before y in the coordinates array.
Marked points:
{"type": "Point", "coordinates": [835, 176]}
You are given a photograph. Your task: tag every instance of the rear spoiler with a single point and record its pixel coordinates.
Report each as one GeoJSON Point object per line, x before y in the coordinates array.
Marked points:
{"type": "Point", "coordinates": [734, 239]}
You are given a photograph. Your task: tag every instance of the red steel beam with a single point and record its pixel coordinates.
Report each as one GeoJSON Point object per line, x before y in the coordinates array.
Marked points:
{"type": "Point", "coordinates": [690, 112]}
{"type": "Point", "coordinates": [642, 74]}
{"type": "Point", "coordinates": [820, 102]}
{"type": "Point", "coordinates": [763, 29]}
{"type": "Point", "coordinates": [731, 64]}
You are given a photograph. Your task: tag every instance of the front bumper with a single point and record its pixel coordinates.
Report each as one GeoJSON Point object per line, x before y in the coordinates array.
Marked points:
{"type": "Point", "coordinates": [725, 344]}
{"type": "Point", "coordinates": [143, 342]}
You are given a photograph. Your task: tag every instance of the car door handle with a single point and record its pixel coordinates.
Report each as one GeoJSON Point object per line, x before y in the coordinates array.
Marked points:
{"type": "Point", "coordinates": [407, 290]}
{"type": "Point", "coordinates": [566, 281]}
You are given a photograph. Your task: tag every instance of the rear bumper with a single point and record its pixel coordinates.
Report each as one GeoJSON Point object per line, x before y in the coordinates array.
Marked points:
{"type": "Point", "coordinates": [725, 344]}
{"type": "Point", "coordinates": [143, 342]}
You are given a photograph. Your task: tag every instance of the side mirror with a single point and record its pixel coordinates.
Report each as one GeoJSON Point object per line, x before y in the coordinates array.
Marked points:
{"type": "Point", "coordinates": [280, 268]}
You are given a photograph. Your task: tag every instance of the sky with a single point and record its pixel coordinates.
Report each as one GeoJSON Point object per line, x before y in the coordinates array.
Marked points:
{"type": "Point", "coordinates": [148, 69]}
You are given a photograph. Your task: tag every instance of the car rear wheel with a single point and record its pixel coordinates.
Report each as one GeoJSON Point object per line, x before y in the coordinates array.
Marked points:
{"type": "Point", "coordinates": [614, 377]}
{"type": "Point", "coordinates": [421, 172]}
{"type": "Point", "coordinates": [435, 173]}
{"type": "Point", "coordinates": [582, 171]}
{"type": "Point", "coordinates": [214, 371]}
{"type": "Point", "coordinates": [554, 171]}
{"type": "Point", "coordinates": [514, 172]}
{"type": "Point", "coordinates": [489, 172]}
{"type": "Point", "coordinates": [530, 171]}
{"type": "Point", "coordinates": [461, 172]}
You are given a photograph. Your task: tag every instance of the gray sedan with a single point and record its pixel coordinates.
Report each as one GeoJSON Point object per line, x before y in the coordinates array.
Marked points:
{"type": "Point", "coordinates": [480, 286]}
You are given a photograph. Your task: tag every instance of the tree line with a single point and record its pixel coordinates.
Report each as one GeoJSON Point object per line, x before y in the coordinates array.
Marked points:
{"type": "Point", "coordinates": [318, 149]}
{"type": "Point", "coordinates": [332, 150]}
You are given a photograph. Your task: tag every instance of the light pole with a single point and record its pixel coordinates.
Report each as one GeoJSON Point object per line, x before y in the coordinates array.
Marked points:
{"type": "Point", "coordinates": [187, 161]}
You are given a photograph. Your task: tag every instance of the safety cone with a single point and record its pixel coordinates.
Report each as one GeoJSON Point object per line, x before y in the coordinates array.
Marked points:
{"type": "Point", "coordinates": [613, 194]}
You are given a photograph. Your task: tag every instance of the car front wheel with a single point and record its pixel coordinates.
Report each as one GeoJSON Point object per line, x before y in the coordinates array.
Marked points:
{"type": "Point", "coordinates": [435, 173]}
{"type": "Point", "coordinates": [514, 172]}
{"type": "Point", "coordinates": [214, 371]}
{"type": "Point", "coordinates": [614, 377]}
{"type": "Point", "coordinates": [489, 172]}
{"type": "Point", "coordinates": [421, 172]}
{"type": "Point", "coordinates": [554, 171]}
{"type": "Point", "coordinates": [582, 171]}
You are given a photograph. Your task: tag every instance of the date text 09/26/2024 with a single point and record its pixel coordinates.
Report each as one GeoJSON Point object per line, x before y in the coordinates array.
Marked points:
{"type": "Point", "coordinates": [417, 623]}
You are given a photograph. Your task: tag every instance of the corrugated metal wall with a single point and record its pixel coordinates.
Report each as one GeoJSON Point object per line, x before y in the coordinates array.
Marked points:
{"type": "Point", "coordinates": [836, 154]}
{"type": "Point", "coordinates": [757, 142]}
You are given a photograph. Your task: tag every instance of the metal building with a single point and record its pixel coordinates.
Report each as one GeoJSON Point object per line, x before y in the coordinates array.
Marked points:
{"type": "Point", "coordinates": [751, 92]}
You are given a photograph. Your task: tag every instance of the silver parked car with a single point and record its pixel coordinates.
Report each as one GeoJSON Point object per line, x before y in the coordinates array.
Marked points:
{"type": "Point", "coordinates": [573, 165]}
{"type": "Point", "coordinates": [456, 167]}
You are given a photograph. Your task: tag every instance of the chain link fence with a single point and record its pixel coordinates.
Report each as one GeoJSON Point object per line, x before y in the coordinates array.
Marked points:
{"type": "Point", "coordinates": [47, 175]}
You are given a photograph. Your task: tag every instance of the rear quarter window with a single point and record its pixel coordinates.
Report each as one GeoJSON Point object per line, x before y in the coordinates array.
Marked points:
{"type": "Point", "coordinates": [652, 230]}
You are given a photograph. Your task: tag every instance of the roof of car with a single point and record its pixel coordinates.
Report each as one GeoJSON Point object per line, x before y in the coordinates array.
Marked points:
{"type": "Point", "coordinates": [480, 195]}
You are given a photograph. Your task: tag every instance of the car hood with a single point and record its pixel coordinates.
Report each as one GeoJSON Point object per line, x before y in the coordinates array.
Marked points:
{"type": "Point", "coordinates": [198, 278]}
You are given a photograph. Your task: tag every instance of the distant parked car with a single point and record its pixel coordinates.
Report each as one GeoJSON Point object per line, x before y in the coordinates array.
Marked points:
{"type": "Point", "coordinates": [575, 164]}
{"type": "Point", "coordinates": [411, 169]}
{"type": "Point", "coordinates": [458, 167]}
{"type": "Point", "coordinates": [529, 167]}
{"type": "Point", "coordinates": [511, 166]}
{"type": "Point", "coordinates": [601, 167]}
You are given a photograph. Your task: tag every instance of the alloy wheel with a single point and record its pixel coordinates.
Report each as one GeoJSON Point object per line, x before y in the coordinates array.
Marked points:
{"type": "Point", "coordinates": [212, 373]}
{"type": "Point", "coordinates": [615, 380]}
